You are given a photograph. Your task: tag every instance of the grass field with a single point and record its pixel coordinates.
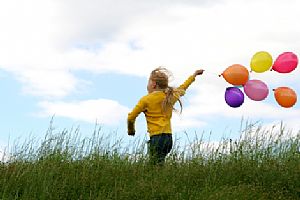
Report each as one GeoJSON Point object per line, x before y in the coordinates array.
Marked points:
{"type": "Point", "coordinates": [261, 164]}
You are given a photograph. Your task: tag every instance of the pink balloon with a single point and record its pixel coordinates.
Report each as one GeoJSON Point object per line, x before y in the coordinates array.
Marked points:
{"type": "Point", "coordinates": [256, 90]}
{"type": "Point", "coordinates": [285, 62]}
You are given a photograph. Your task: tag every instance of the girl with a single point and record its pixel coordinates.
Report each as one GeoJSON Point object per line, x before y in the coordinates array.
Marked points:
{"type": "Point", "coordinates": [157, 107]}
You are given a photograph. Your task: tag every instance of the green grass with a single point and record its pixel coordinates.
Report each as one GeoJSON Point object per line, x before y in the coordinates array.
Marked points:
{"type": "Point", "coordinates": [261, 164]}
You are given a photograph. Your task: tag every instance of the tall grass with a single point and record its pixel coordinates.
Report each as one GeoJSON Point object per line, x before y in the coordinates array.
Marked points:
{"type": "Point", "coordinates": [261, 164]}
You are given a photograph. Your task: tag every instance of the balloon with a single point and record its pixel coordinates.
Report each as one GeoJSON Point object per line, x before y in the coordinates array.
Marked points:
{"type": "Point", "coordinates": [285, 96]}
{"type": "Point", "coordinates": [256, 90]}
{"type": "Point", "coordinates": [236, 74]}
{"type": "Point", "coordinates": [261, 62]}
{"type": "Point", "coordinates": [234, 97]}
{"type": "Point", "coordinates": [285, 62]}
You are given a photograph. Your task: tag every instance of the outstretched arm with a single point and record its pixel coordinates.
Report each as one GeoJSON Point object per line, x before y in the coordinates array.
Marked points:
{"type": "Point", "coordinates": [190, 80]}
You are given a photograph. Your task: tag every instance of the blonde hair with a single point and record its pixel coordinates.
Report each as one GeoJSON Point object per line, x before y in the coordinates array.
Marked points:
{"type": "Point", "coordinates": [161, 77]}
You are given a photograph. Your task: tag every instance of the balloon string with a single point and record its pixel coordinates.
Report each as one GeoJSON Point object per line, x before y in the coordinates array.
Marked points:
{"type": "Point", "coordinates": [212, 73]}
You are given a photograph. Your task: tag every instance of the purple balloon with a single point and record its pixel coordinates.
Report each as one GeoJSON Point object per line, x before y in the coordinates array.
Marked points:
{"type": "Point", "coordinates": [234, 97]}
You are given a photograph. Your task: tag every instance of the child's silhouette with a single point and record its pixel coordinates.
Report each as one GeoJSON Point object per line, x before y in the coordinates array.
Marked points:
{"type": "Point", "coordinates": [157, 107]}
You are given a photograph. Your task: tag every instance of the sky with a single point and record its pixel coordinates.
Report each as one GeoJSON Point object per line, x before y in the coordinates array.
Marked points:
{"type": "Point", "coordinates": [87, 62]}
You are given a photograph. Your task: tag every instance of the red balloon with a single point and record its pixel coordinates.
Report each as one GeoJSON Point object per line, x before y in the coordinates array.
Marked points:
{"type": "Point", "coordinates": [285, 62]}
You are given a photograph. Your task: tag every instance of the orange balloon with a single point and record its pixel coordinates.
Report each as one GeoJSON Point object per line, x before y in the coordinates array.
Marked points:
{"type": "Point", "coordinates": [236, 74]}
{"type": "Point", "coordinates": [286, 97]}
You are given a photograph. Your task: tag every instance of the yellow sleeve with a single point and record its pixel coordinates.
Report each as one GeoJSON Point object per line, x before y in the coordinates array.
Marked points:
{"type": "Point", "coordinates": [140, 107]}
{"type": "Point", "coordinates": [181, 89]}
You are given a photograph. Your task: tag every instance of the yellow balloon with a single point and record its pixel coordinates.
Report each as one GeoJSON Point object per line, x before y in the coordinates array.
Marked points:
{"type": "Point", "coordinates": [261, 61]}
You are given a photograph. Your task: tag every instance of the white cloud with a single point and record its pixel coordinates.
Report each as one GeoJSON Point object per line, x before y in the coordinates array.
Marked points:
{"type": "Point", "coordinates": [99, 21]}
{"type": "Point", "coordinates": [48, 83]}
{"type": "Point", "coordinates": [183, 122]}
{"type": "Point", "coordinates": [134, 39]}
{"type": "Point", "coordinates": [102, 111]}
{"type": "Point", "coordinates": [29, 32]}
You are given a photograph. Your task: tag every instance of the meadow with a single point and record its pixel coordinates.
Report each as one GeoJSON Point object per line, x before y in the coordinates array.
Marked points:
{"type": "Point", "coordinates": [260, 164]}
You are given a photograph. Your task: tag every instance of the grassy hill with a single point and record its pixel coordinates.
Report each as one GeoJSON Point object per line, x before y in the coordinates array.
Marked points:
{"type": "Point", "coordinates": [261, 164]}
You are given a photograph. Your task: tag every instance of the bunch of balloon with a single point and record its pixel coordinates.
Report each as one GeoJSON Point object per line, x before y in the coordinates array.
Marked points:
{"type": "Point", "coordinates": [237, 75]}
{"type": "Point", "coordinates": [257, 90]}
{"type": "Point", "coordinates": [261, 62]}
{"type": "Point", "coordinates": [285, 63]}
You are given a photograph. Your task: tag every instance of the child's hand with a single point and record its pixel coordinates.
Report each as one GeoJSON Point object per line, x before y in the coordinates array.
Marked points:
{"type": "Point", "coordinates": [131, 133]}
{"type": "Point", "coordinates": [130, 128]}
{"type": "Point", "coordinates": [198, 72]}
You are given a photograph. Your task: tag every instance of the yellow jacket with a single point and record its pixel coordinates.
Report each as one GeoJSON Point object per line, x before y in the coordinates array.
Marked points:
{"type": "Point", "coordinates": [157, 121]}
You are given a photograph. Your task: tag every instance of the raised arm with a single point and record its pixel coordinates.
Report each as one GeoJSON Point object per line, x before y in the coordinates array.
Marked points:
{"type": "Point", "coordinates": [190, 80]}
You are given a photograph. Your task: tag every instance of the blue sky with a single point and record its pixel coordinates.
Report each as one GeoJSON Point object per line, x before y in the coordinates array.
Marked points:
{"type": "Point", "coordinates": [87, 61]}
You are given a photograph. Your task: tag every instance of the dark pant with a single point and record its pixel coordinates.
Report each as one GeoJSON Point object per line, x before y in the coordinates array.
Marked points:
{"type": "Point", "coordinates": [159, 146]}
